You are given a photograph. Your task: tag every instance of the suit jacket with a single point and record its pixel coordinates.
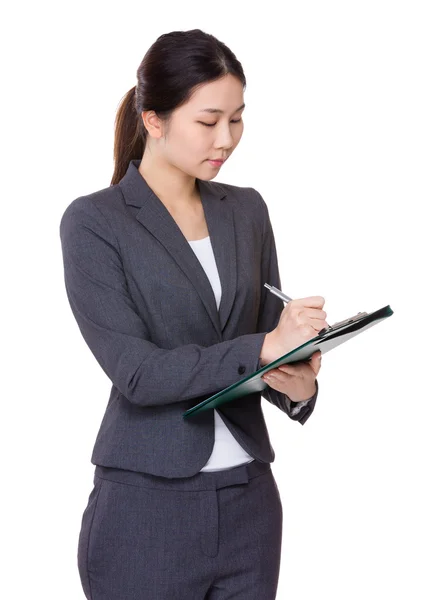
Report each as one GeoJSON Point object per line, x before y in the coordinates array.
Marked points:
{"type": "Point", "coordinates": [147, 312]}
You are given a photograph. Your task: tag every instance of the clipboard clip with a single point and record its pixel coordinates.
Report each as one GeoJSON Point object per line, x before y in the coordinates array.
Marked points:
{"type": "Point", "coordinates": [340, 324]}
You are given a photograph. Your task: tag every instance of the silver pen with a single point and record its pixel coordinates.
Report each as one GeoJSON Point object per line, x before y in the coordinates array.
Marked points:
{"type": "Point", "coordinates": [278, 293]}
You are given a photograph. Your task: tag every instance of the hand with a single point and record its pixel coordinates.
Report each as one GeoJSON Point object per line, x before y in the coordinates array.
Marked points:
{"type": "Point", "coordinates": [297, 381]}
{"type": "Point", "coordinates": [300, 321]}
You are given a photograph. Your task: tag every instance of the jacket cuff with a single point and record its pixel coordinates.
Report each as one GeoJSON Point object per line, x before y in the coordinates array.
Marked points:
{"type": "Point", "coordinates": [298, 411]}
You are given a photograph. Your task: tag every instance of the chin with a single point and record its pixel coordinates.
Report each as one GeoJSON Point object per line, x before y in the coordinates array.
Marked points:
{"type": "Point", "coordinates": [207, 178]}
{"type": "Point", "coordinates": [207, 173]}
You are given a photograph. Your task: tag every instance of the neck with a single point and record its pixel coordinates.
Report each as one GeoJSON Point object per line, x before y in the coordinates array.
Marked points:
{"type": "Point", "coordinates": [172, 186]}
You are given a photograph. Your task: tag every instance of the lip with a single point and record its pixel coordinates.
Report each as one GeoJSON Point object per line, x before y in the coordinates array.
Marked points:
{"type": "Point", "coordinates": [216, 162]}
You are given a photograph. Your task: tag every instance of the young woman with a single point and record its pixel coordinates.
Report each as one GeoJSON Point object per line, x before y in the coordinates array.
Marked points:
{"type": "Point", "coordinates": [165, 271]}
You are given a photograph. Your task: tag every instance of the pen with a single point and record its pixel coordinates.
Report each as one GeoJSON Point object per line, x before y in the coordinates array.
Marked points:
{"type": "Point", "coordinates": [278, 293]}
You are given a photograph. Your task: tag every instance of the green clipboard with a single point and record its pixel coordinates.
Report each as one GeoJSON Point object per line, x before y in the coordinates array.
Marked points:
{"type": "Point", "coordinates": [326, 340]}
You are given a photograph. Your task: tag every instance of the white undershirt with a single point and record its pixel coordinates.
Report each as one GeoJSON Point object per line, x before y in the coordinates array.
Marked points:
{"type": "Point", "coordinates": [226, 452]}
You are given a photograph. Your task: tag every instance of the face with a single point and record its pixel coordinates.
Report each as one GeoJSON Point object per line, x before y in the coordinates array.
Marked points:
{"type": "Point", "coordinates": [196, 134]}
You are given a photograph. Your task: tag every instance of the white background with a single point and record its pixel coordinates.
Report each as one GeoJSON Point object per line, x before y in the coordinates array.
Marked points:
{"type": "Point", "coordinates": [337, 117]}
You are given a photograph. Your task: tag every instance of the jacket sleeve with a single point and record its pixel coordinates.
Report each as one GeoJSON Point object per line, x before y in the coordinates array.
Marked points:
{"type": "Point", "coordinates": [270, 311]}
{"type": "Point", "coordinates": [117, 334]}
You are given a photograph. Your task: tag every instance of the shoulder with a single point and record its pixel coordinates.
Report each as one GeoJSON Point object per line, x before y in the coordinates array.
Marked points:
{"type": "Point", "coordinates": [92, 205]}
{"type": "Point", "coordinates": [88, 215]}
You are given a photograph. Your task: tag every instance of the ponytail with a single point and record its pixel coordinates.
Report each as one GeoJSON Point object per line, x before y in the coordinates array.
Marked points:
{"type": "Point", "coordinates": [129, 142]}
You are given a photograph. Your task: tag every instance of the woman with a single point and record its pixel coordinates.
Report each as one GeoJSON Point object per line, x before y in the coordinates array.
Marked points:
{"type": "Point", "coordinates": [165, 272]}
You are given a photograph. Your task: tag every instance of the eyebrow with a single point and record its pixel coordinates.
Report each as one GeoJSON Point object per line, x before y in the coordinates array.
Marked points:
{"type": "Point", "coordinates": [217, 110]}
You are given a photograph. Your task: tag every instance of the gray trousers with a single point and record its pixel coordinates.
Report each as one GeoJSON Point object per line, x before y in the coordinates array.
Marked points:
{"type": "Point", "coordinates": [214, 536]}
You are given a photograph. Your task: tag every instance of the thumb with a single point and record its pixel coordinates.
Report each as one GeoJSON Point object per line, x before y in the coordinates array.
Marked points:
{"type": "Point", "coordinates": [316, 361]}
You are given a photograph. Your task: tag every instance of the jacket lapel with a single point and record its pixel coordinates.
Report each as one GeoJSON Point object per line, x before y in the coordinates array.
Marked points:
{"type": "Point", "coordinates": [220, 222]}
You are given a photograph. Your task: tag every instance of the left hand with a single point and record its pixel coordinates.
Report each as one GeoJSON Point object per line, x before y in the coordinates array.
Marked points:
{"type": "Point", "coordinates": [297, 381]}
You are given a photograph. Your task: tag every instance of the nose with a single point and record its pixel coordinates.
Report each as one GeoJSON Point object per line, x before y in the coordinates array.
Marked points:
{"type": "Point", "coordinates": [224, 139]}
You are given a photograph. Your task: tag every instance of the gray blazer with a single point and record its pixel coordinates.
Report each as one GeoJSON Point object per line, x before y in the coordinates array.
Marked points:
{"type": "Point", "coordinates": [147, 311]}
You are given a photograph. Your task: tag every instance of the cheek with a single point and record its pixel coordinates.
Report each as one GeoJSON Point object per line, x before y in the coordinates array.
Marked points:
{"type": "Point", "coordinates": [196, 139]}
{"type": "Point", "coordinates": [189, 143]}
{"type": "Point", "coordinates": [238, 133]}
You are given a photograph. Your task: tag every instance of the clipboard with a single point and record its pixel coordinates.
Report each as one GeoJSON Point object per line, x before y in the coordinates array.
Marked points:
{"type": "Point", "coordinates": [326, 340]}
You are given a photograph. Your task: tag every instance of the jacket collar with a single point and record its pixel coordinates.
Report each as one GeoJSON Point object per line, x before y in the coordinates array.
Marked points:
{"type": "Point", "coordinates": [155, 217]}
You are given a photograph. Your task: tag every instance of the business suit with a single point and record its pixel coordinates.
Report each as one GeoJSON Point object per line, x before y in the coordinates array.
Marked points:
{"type": "Point", "coordinates": [146, 310]}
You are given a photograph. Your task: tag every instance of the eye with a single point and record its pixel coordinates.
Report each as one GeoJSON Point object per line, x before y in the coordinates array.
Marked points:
{"type": "Point", "coordinates": [213, 124]}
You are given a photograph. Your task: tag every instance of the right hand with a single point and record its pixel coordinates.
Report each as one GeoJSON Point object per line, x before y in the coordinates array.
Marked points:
{"type": "Point", "coordinates": [300, 321]}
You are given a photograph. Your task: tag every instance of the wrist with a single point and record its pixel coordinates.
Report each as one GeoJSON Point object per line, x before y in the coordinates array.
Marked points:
{"type": "Point", "coordinates": [265, 354]}
{"type": "Point", "coordinates": [308, 397]}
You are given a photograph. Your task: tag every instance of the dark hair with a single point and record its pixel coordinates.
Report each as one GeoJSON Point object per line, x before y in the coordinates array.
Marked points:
{"type": "Point", "coordinates": [173, 66]}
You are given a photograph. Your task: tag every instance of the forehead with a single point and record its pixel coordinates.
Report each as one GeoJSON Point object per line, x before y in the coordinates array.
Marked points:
{"type": "Point", "coordinates": [225, 94]}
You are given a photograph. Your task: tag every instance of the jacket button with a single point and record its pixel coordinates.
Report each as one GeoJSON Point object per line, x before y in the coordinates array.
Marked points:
{"type": "Point", "coordinates": [241, 369]}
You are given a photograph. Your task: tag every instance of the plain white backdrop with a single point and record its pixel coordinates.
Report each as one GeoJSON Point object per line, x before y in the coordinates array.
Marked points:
{"type": "Point", "coordinates": [337, 117]}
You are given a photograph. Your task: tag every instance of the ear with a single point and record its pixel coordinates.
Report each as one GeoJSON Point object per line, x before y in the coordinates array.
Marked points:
{"type": "Point", "coordinates": [152, 123]}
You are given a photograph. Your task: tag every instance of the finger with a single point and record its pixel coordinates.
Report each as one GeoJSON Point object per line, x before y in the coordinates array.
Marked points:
{"type": "Point", "coordinates": [316, 362]}
{"type": "Point", "coordinates": [282, 374]}
{"type": "Point", "coordinates": [310, 301]}
{"type": "Point", "coordinates": [314, 313]}
{"type": "Point", "coordinates": [289, 369]}
{"type": "Point", "coordinates": [274, 381]}
{"type": "Point", "coordinates": [310, 316]}
{"type": "Point", "coordinates": [296, 371]}
{"type": "Point", "coordinates": [318, 324]}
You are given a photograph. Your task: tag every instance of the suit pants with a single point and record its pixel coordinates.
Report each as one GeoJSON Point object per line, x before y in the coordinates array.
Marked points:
{"type": "Point", "coordinates": [213, 536]}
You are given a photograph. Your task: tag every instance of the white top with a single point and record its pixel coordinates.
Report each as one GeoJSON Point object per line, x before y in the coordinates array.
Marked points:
{"type": "Point", "coordinates": [226, 452]}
